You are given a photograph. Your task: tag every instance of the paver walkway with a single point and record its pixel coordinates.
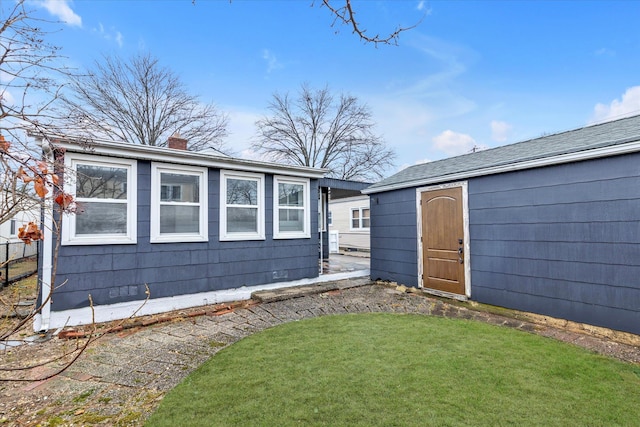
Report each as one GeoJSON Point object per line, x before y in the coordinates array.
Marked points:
{"type": "Point", "coordinates": [120, 379]}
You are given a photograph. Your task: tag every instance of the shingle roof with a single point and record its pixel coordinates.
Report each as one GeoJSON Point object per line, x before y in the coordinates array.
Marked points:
{"type": "Point", "coordinates": [582, 140]}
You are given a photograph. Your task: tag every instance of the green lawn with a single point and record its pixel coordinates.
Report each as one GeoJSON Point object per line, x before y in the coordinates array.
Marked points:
{"type": "Point", "coordinates": [403, 370]}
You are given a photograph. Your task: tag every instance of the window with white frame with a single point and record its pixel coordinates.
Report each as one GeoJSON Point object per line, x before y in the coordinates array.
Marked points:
{"type": "Point", "coordinates": [291, 208]}
{"type": "Point", "coordinates": [241, 206]}
{"type": "Point", "coordinates": [360, 219]}
{"type": "Point", "coordinates": [105, 194]}
{"type": "Point", "coordinates": [178, 203]}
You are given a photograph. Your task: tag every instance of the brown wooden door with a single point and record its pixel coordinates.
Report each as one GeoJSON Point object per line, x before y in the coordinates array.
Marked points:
{"type": "Point", "coordinates": [443, 240]}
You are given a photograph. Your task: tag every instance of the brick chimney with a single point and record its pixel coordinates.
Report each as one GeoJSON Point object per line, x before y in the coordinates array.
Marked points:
{"type": "Point", "coordinates": [176, 142]}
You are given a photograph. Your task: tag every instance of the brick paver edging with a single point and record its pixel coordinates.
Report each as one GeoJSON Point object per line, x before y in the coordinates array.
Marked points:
{"type": "Point", "coordinates": [122, 378]}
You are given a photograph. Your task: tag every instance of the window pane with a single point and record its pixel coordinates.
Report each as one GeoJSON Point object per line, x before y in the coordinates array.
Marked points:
{"type": "Point", "coordinates": [179, 219]}
{"type": "Point", "coordinates": [291, 220]}
{"type": "Point", "coordinates": [365, 218]}
{"type": "Point", "coordinates": [179, 188]}
{"type": "Point", "coordinates": [355, 223]}
{"type": "Point", "coordinates": [242, 192]}
{"type": "Point", "coordinates": [101, 218]}
{"type": "Point", "coordinates": [101, 182]}
{"type": "Point", "coordinates": [242, 220]}
{"type": "Point", "coordinates": [355, 214]}
{"type": "Point", "coordinates": [291, 194]}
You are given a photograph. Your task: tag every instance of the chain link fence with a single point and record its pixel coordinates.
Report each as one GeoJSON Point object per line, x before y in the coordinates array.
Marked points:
{"type": "Point", "coordinates": [17, 260]}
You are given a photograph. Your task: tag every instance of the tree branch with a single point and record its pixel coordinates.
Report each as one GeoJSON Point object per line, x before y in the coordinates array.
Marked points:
{"type": "Point", "coordinates": [347, 16]}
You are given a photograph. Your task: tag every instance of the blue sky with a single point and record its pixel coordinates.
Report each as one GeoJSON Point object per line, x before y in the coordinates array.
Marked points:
{"type": "Point", "coordinates": [473, 73]}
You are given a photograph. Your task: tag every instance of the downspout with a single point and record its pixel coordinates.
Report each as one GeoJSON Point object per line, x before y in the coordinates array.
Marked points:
{"type": "Point", "coordinates": [321, 228]}
{"type": "Point", "coordinates": [42, 319]}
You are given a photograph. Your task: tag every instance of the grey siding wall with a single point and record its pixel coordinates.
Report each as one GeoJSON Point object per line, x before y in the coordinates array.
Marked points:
{"type": "Point", "coordinates": [394, 247]}
{"type": "Point", "coordinates": [117, 273]}
{"type": "Point", "coordinates": [562, 241]}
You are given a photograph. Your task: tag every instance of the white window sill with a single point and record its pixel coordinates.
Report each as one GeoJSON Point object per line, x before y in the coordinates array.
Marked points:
{"type": "Point", "coordinates": [283, 236]}
{"type": "Point", "coordinates": [182, 238]}
{"type": "Point", "coordinates": [99, 240]}
{"type": "Point", "coordinates": [241, 237]}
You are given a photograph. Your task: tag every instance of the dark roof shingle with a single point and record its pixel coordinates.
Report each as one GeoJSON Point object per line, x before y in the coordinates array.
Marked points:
{"type": "Point", "coordinates": [587, 138]}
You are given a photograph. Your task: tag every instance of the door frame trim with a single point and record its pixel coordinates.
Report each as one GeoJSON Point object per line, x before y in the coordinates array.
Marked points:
{"type": "Point", "coordinates": [465, 219]}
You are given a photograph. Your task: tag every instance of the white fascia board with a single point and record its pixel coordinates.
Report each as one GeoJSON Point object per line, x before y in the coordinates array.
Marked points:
{"type": "Point", "coordinates": [168, 155]}
{"type": "Point", "coordinates": [595, 153]}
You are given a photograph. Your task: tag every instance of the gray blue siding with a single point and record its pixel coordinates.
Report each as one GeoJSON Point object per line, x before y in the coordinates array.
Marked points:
{"type": "Point", "coordinates": [394, 241]}
{"type": "Point", "coordinates": [118, 273]}
{"type": "Point", "coordinates": [562, 241]}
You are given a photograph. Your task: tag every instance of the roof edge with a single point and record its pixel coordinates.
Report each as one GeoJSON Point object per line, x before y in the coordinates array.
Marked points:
{"type": "Point", "coordinates": [194, 158]}
{"type": "Point", "coordinates": [595, 153]}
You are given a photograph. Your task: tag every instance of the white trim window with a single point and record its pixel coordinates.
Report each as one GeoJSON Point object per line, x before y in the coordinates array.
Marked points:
{"type": "Point", "coordinates": [291, 212]}
{"type": "Point", "coordinates": [178, 203]}
{"type": "Point", "coordinates": [105, 194]}
{"type": "Point", "coordinates": [241, 206]}
{"type": "Point", "coordinates": [360, 218]}
{"type": "Point", "coordinates": [13, 227]}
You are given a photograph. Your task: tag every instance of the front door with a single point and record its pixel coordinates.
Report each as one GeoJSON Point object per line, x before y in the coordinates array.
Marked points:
{"type": "Point", "coordinates": [443, 240]}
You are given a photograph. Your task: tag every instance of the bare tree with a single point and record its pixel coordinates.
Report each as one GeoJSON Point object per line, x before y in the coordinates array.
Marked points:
{"type": "Point", "coordinates": [29, 67]}
{"type": "Point", "coordinates": [141, 102]}
{"type": "Point", "coordinates": [30, 76]}
{"type": "Point", "coordinates": [316, 129]}
{"type": "Point", "coordinates": [29, 73]}
{"type": "Point", "coordinates": [346, 15]}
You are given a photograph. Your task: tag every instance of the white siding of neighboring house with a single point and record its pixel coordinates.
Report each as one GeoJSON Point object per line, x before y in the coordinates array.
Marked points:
{"type": "Point", "coordinates": [350, 237]}
{"type": "Point", "coordinates": [16, 249]}
{"type": "Point", "coordinates": [20, 219]}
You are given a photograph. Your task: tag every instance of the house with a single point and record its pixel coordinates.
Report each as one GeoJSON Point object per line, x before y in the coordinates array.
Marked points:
{"type": "Point", "coordinates": [338, 216]}
{"type": "Point", "coordinates": [549, 225]}
{"type": "Point", "coordinates": [349, 219]}
{"type": "Point", "coordinates": [21, 210]}
{"type": "Point", "coordinates": [9, 229]}
{"type": "Point", "coordinates": [194, 228]}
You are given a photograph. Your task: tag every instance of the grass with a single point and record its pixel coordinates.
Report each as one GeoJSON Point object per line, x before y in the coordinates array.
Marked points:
{"type": "Point", "coordinates": [402, 370]}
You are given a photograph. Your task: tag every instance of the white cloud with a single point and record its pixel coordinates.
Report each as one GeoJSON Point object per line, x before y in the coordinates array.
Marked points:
{"type": "Point", "coordinates": [454, 143]}
{"type": "Point", "coordinates": [605, 52]}
{"type": "Point", "coordinates": [6, 98]}
{"type": "Point", "coordinates": [406, 165]}
{"type": "Point", "coordinates": [272, 61]}
{"type": "Point", "coordinates": [422, 6]}
{"type": "Point", "coordinates": [627, 106]}
{"type": "Point", "coordinates": [5, 77]}
{"type": "Point", "coordinates": [110, 34]}
{"type": "Point", "coordinates": [406, 113]}
{"type": "Point", "coordinates": [119, 38]}
{"type": "Point", "coordinates": [242, 130]}
{"type": "Point", "coordinates": [61, 9]}
{"type": "Point", "coordinates": [500, 130]}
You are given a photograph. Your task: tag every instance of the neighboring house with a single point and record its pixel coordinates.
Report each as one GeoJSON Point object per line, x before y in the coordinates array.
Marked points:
{"type": "Point", "coordinates": [333, 190]}
{"type": "Point", "coordinates": [550, 226]}
{"type": "Point", "coordinates": [349, 218]}
{"type": "Point", "coordinates": [9, 229]}
{"type": "Point", "coordinates": [11, 247]}
{"type": "Point", "coordinates": [195, 228]}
